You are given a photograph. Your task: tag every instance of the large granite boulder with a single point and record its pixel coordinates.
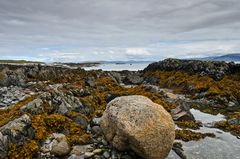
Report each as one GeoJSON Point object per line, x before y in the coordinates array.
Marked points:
{"type": "Point", "coordinates": [136, 123]}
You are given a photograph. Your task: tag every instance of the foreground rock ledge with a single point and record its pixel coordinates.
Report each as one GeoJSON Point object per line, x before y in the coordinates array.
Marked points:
{"type": "Point", "coordinates": [136, 123]}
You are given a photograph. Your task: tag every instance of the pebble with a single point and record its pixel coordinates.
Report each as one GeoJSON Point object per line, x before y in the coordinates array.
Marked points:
{"type": "Point", "coordinates": [104, 142]}
{"type": "Point", "coordinates": [106, 154]}
{"type": "Point", "coordinates": [97, 151]}
{"type": "Point", "coordinates": [88, 154]}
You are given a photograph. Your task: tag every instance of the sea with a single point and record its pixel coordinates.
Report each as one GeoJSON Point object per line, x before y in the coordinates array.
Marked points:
{"type": "Point", "coordinates": [123, 66]}
{"type": "Point", "coordinates": [119, 67]}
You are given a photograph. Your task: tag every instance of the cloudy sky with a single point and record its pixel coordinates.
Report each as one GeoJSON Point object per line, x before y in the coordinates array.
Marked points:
{"type": "Point", "coordinates": [89, 30]}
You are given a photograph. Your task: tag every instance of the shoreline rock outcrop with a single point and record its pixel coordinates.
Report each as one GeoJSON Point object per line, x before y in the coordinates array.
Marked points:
{"type": "Point", "coordinates": [215, 69]}
{"type": "Point", "coordinates": [136, 123]}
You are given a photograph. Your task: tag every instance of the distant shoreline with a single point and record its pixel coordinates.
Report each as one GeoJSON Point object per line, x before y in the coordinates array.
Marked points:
{"type": "Point", "coordinates": [20, 62]}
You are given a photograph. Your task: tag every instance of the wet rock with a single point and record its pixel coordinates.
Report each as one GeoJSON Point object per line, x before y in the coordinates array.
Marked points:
{"type": "Point", "coordinates": [136, 123]}
{"type": "Point", "coordinates": [177, 147]}
{"type": "Point", "coordinates": [234, 121]}
{"type": "Point", "coordinates": [182, 112]}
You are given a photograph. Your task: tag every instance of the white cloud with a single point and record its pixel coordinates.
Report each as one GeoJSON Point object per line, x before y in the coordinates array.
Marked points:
{"type": "Point", "coordinates": [137, 52]}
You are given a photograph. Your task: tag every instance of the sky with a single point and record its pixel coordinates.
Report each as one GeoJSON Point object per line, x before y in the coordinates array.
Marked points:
{"type": "Point", "coordinates": [93, 30]}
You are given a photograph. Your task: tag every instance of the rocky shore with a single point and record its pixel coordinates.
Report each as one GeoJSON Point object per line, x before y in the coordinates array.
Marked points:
{"type": "Point", "coordinates": [59, 112]}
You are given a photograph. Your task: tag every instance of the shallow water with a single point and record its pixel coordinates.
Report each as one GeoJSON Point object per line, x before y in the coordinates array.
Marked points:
{"type": "Point", "coordinates": [119, 67]}
{"type": "Point", "coordinates": [206, 118]}
{"type": "Point", "coordinates": [224, 146]}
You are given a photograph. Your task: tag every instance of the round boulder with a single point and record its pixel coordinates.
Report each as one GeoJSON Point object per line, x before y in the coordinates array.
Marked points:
{"type": "Point", "coordinates": [136, 123]}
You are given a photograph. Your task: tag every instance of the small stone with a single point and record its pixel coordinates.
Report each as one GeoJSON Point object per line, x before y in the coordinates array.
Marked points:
{"type": "Point", "coordinates": [88, 154]}
{"type": "Point", "coordinates": [104, 142]}
{"type": "Point", "coordinates": [97, 151]}
{"type": "Point", "coordinates": [95, 122]}
{"type": "Point", "coordinates": [60, 146]}
{"type": "Point", "coordinates": [81, 149]}
{"type": "Point", "coordinates": [97, 130]}
{"type": "Point", "coordinates": [96, 157]}
{"type": "Point", "coordinates": [106, 154]}
{"type": "Point", "coordinates": [233, 121]}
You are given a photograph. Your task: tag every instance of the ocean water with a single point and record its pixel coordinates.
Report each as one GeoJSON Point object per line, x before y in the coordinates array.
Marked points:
{"type": "Point", "coordinates": [120, 67]}
{"type": "Point", "coordinates": [223, 146]}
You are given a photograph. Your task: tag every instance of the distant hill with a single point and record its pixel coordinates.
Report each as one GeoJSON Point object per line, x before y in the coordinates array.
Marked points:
{"type": "Point", "coordinates": [19, 62]}
{"type": "Point", "coordinates": [229, 57]}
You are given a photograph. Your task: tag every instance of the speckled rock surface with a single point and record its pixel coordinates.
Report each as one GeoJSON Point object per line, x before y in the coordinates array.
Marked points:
{"type": "Point", "coordinates": [136, 123]}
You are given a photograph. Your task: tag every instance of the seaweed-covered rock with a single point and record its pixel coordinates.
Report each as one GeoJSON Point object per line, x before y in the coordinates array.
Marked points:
{"type": "Point", "coordinates": [136, 123]}
{"type": "Point", "coordinates": [18, 130]}
{"type": "Point", "coordinates": [34, 107]}
{"type": "Point", "coordinates": [215, 69]}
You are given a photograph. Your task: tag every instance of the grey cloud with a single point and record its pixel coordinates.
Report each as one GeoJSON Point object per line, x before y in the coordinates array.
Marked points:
{"type": "Point", "coordinates": [85, 27]}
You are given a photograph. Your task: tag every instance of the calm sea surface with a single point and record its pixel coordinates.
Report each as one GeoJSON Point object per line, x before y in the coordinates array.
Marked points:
{"type": "Point", "coordinates": [120, 67]}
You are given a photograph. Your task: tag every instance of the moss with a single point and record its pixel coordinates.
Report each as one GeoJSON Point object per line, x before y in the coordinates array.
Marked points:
{"type": "Point", "coordinates": [189, 124]}
{"type": "Point", "coordinates": [188, 135]}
